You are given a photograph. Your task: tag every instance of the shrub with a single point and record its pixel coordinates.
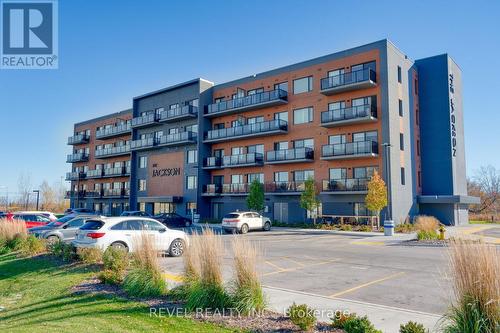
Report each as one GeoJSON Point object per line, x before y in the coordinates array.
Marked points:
{"type": "Point", "coordinates": [248, 295]}
{"type": "Point", "coordinates": [62, 250]}
{"type": "Point", "coordinates": [475, 268]}
{"type": "Point", "coordinates": [30, 246]}
{"type": "Point", "coordinates": [405, 228]}
{"type": "Point", "coordinates": [115, 263]}
{"type": "Point", "coordinates": [302, 316]}
{"type": "Point", "coordinates": [90, 256]}
{"type": "Point", "coordinates": [145, 278]}
{"type": "Point", "coordinates": [12, 233]}
{"type": "Point", "coordinates": [365, 228]}
{"type": "Point", "coordinates": [357, 324]}
{"type": "Point", "coordinates": [426, 223]}
{"type": "Point", "coordinates": [345, 227]}
{"type": "Point", "coordinates": [412, 327]}
{"type": "Point", "coordinates": [427, 235]}
{"type": "Point", "coordinates": [339, 321]}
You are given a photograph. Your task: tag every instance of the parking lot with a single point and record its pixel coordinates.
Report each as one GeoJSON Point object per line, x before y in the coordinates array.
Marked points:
{"type": "Point", "coordinates": [345, 267]}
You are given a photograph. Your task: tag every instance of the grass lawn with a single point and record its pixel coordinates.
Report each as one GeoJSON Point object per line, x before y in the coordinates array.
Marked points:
{"type": "Point", "coordinates": [36, 297]}
{"type": "Point", "coordinates": [484, 222]}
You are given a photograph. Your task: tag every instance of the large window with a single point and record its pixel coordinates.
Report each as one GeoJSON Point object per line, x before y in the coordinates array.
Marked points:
{"type": "Point", "coordinates": [282, 86]}
{"type": "Point", "coordinates": [365, 136]}
{"type": "Point", "coordinates": [255, 176]}
{"type": "Point", "coordinates": [143, 162]}
{"type": "Point", "coordinates": [338, 173]}
{"type": "Point", "coordinates": [307, 143]}
{"type": "Point", "coordinates": [281, 176]}
{"type": "Point", "coordinates": [303, 85]}
{"type": "Point", "coordinates": [302, 116]}
{"type": "Point", "coordinates": [282, 145]}
{"type": "Point", "coordinates": [336, 139]}
{"type": "Point", "coordinates": [192, 156]}
{"type": "Point", "coordinates": [255, 91]}
{"type": "Point", "coordinates": [281, 116]}
{"type": "Point", "coordinates": [236, 179]}
{"type": "Point", "coordinates": [255, 149]}
{"type": "Point", "coordinates": [303, 175]}
{"type": "Point", "coordinates": [364, 172]}
{"type": "Point", "coordinates": [141, 186]}
{"type": "Point", "coordinates": [191, 182]}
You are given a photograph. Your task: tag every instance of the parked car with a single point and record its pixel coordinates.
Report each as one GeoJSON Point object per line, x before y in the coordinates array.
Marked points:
{"type": "Point", "coordinates": [134, 213]}
{"type": "Point", "coordinates": [122, 233]}
{"type": "Point", "coordinates": [57, 231]}
{"type": "Point", "coordinates": [173, 220]}
{"type": "Point", "coordinates": [79, 211]}
{"type": "Point", "coordinates": [245, 221]}
{"type": "Point", "coordinates": [50, 215]}
{"type": "Point", "coordinates": [32, 220]}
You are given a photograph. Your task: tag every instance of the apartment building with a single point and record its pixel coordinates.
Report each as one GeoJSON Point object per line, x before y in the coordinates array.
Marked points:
{"type": "Point", "coordinates": [196, 147]}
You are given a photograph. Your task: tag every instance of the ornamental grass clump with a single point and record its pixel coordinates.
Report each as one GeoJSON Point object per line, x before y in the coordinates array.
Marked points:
{"type": "Point", "coordinates": [247, 296]}
{"type": "Point", "coordinates": [12, 232]}
{"type": "Point", "coordinates": [426, 227]}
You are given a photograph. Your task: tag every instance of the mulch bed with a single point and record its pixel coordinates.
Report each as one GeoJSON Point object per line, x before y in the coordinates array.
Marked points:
{"type": "Point", "coordinates": [426, 243]}
{"type": "Point", "coordinates": [266, 322]}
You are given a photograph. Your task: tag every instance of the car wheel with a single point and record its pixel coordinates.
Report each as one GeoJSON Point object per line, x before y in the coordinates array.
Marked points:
{"type": "Point", "coordinates": [119, 246]}
{"type": "Point", "coordinates": [52, 239]}
{"type": "Point", "coordinates": [176, 248]}
{"type": "Point", "coordinates": [244, 228]}
{"type": "Point", "coordinates": [267, 226]}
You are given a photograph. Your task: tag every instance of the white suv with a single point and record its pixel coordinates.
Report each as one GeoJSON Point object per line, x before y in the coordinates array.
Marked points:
{"type": "Point", "coordinates": [123, 233]}
{"type": "Point", "coordinates": [244, 221]}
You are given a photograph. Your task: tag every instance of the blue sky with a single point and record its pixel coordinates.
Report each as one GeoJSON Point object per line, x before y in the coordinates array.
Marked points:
{"type": "Point", "coordinates": [111, 51]}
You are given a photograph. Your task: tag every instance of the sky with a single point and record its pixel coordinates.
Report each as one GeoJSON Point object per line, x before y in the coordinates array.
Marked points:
{"type": "Point", "coordinates": [111, 51]}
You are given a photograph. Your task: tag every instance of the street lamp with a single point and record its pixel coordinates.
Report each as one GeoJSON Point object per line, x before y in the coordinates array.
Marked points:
{"type": "Point", "coordinates": [388, 223]}
{"type": "Point", "coordinates": [37, 197]}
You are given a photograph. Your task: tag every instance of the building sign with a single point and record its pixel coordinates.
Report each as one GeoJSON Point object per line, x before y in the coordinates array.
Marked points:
{"type": "Point", "coordinates": [453, 117]}
{"type": "Point", "coordinates": [166, 172]}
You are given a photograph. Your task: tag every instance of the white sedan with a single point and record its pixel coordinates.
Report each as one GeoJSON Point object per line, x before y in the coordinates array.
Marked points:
{"type": "Point", "coordinates": [125, 232]}
{"type": "Point", "coordinates": [245, 221]}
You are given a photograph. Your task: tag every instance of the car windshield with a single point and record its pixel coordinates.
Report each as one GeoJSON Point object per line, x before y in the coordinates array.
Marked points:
{"type": "Point", "coordinates": [232, 216]}
{"type": "Point", "coordinates": [92, 225]}
{"type": "Point", "coordinates": [65, 218]}
{"type": "Point", "coordinates": [54, 224]}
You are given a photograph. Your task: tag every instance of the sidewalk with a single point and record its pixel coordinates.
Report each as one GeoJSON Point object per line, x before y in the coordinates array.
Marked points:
{"type": "Point", "coordinates": [384, 318]}
{"type": "Point", "coordinates": [471, 230]}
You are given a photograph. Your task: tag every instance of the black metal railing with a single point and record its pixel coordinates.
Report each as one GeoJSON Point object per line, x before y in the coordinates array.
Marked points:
{"type": "Point", "coordinates": [113, 151]}
{"type": "Point", "coordinates": [180, 112]}
{"type": "Point", "coordinates": [113, 131]}
{"type": "Point", "coordinates": [147, 119]}
{"type": "Point", "coordinates": [248, 101]}
{"type": "Point", "coordinates": [78, 138]}
{"type": "Point", "coordinates": [212, 162]}
{"type": "Point", "coordinates": [284, 187]}
{"type": "Point", "coordinates": [243, 159]}
{"type": "Point", "coordinates": [169, 139]}
{"type": "Point", "coordinates": [97, 173]}
{"type": "Point", "coordinates": [344, 79]}
{"type": "Point", "coordinates": [350, 149]}
{"type": "Point", "coordinates": [77, 157]}
{"type": "Point", "coordinates": [303, 153]}
{"type": "Point", "coordinates": [235, 188]}
{"type": "Point", "coordinates": [75, 194]}
{"type": "Point", "coordinates": [353, 112]}
{"type": "Point", "coordinates": [248, 129]}
{"type": "Point", "coordinates": [348, 184]}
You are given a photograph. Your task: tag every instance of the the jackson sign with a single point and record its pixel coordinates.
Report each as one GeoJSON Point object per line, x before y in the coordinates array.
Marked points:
{"type": "Point", "coordinates": [453, 117]}
{"type": "Point", "coordinates": [166, 172]}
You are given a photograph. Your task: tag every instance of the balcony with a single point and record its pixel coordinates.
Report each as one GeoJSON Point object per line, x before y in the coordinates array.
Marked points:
{"type": "Point", "coordinates": [276, 126]}
{"type": "Point", "coordinates": [284, 188]}
{"type": "Point", "coordinates": [235, 189]}
{"type": "Point", "coordinates": [116, 172]}
{"type": "Point", "coordinates": [113, 151]}
{"type": "Point", "coordinates": [212, 162]}
{"type": "Point", "coordinates": [349, 150]}
{"type": "Point", "coordinates": [111, 132]}
{"type": "Point", "coordinates": [146, 120]}
{"type": "Point", "coordinates": [75, 175]}
{"type": "Point", "coordinates": [78, 139]}
{"type": "Point", "coordinates": [177, 139]}
{"type": "Point", "coordinates": [142, 144]}
{"type": "Point", "coordinates": [93, 194]}
{"type": "Point", "coordinates": [211, 190]}
{"type": "Point", "coordinates": [115, 193]}
{"type": "Point", "coordinates": [294, 155]}
{"type": "Point", "coordinates": [180, 113]}
{"type": "Point", "coordinates": [356, 114]}
{"type": "Point", "coordinates": [77, 157]}
{"type": "Point", "coordinates": [92, 174]}
{"type": "Point", "coordinates": [243, 160]}
{"type": "Point", "coordinates": [74, 194]}
{"type": "Point", "coordinates": [251, 102]}
{"type": "Point", "coordinates": [360, 79]}
{"type": "Point", "coordinates": [345, 186]}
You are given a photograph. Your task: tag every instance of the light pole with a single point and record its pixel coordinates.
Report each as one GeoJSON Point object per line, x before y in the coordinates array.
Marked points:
{"type": "Point", "coordinates": [388, 223]}
{"type": "Point", "coordinates": [37, 197]}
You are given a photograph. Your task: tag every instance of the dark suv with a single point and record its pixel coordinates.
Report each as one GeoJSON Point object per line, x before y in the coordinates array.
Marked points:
{"type": "Point", "coordinates": [173, 220]}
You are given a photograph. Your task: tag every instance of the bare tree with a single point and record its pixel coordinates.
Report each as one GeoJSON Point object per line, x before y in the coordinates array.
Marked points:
{"type": "Point", "coordinates": [47, 196]}
{"type": "Point", "coordinates": [24, 187]}
{"type": "Point", "coordinates": [486, 185]}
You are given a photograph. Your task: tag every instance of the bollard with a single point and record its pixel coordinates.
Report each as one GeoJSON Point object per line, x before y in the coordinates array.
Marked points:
{"type": "Point", "coordinates": [441, 232]}
{"type": "Point", "coordinates": [388, 228]}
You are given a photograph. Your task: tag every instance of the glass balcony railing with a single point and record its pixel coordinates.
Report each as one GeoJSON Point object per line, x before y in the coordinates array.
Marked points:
{"type": "Point", "coordinates": [263, 99]}
{"type": "Point", "coordinates": [93, 194]}
{"type": "Point", "coordinates": [242, 160]}
{"type": "Point", "coordinates": [78, 139]}
{"type": "Point", "coordinates": [177, 139]}
{"type": "Point", "coordinates": [146, 120]}
{"type": "Point", "coordinates": [343, 185]}
{"type": "Point", "coordinates": [184, 112]}
{"type": "Point", "coordinates": [113, 131]}
{"type": "Point", "coordinates": [113, 151]}
{"type": "Point", "coordinates": [97, 173]}
{"type": "Point", "coordinates": [142, 143]}
{"type": "Point", "coordinates": [212, 162]}
{"type": "Point", "coordinates": [248, 130]}
{"type": "Point", "coordinates": [363, 78]}
{"type": "Point", "coordinates": [352, 114]}
{"type": "Point", "coordinates": [114, 172]}
{"type": "Point", "coordinates": [77, 157]}
{"type": "Point", "coordinates": [242, 188]}
{"type": "Point", "coordinates": [349, 150]}
{"type": "Point", "coordinates": [303, 154]}
{"type": "Point", "coordinates": [75, 175]}
{"type": "Point", "coordinates": [212, 189]}
{"type": "Point", "coordinates": [115, 192]}
{"type": "Point", "coordinates": [75, 194]}
{"type": "Point", "coordinates": [284, 187]}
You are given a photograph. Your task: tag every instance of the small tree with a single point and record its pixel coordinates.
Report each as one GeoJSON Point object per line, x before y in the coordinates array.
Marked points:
{"type": "Point", "coordinates": [376, 198]}
{"type": "Point", "coordinates": [255, 199]}
{"type": "Point", "coordinates": [308, 199]}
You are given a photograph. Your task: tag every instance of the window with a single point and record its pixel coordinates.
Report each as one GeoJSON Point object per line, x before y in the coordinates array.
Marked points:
{"type": "Point", "coordinates": [281, 145]}
{"type": "Point", "coordinates": [302, 116]}
{"type": "Point", "coordinates": [253, 120]}
{"type": "Point", "coordinates": [367, 65]}
{"type": "Point", "coordinates": [418, 147]}
{"type": "Point", "coordinates": [143, 162]}
{"type": "Point", "coordinates": [400, 108]}
{"type": "Point", "coordinates": [236, 179]}
{"type": "Point", "coordinates": [191, 182]}
{"type": "Point", "coordinates": [218, 126]}
{"type": "Point", "coordinates": [308, 143]}
{"type": "Point", "coordinates": [191, 128]}
{"type": "Point", "coordinates": [174, 130]}
{"type": "Point", "coordinates": [399, 74]}
{"type": "Point", "coordinates": [282, 86]}
{"type": "Point", "coordinates": [163, 207]}
{"type": "Point", "coordinates": [303, 85]}
{"type": "Point", "coordinates": [218, 152]}
{"type": "Point", "coordinates": [255, 149]}
{"type": "Point", "coordinates": [141, 185]}
{"type": "Point", "coordinates": [255, 176]}
{"type": "Point", "coordinates": [255, 91]}
{"type": "Point", "coordinates": [174, 106]}
{"type": "Point", "coordinates": [219, 99]}
{"type": "Point", "coordinates": [192, 156]}
{"type": "Point", "coordinates": [365, 136]}
{"type": "Point", "coordinates": [363, 172]}
{"type": "Point", "coordinates": [281, 116]}
{"type": "Point", "coordinates": [401, 141]}
{"type": "Point", "coordinates": [237, 151]}
{"type": "Point", "coordinates": [336, 106]}
{"type": "Point", "coordinates": [193, 102]}
{"type": "Point", "coordinates": [415, 86]}
{"type": "Point", "coordinates": [191, 207]}
{"type": "Point", "coordinates": [336, 139]}
{"type": "Point", "coordinates": [417, 116]}
{"type": "Point", "coordinates": [281, 176]}
{"type": "Point", "coordinates": [338, 173]}
{"type": "Point", "coordinates": [303, 175]}
{"type": "Point", "coordinates": [402, 176]}
{"type": "Point", "coordinates": [419, 179]}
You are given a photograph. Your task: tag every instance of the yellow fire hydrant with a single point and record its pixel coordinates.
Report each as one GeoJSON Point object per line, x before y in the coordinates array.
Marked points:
{"type": "Point", "coordinates": [441, 232]}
